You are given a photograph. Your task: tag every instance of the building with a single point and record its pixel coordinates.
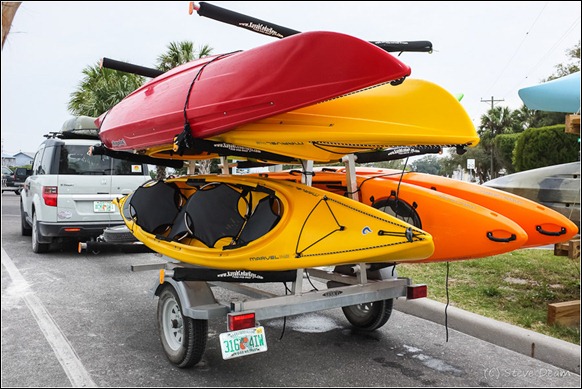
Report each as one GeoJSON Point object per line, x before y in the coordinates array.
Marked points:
{"type": "Point", "coordinates": [19, 159]}
{"type": "Point", "coordinates": [24, 158]}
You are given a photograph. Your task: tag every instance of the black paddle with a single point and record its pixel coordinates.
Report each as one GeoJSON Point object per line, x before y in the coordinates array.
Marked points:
{"type": "Point", "coordinates": [130, 68]}
{"type": "Point", "coordinates": [267, 28]}
{"type": "Point", "coordinates": [394, 153]}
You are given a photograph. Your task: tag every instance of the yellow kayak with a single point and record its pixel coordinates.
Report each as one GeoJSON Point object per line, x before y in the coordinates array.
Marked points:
{"type": "Point", "coordinates": [414, 113]}
{"type": "Point", "coordinates": [252, 223]}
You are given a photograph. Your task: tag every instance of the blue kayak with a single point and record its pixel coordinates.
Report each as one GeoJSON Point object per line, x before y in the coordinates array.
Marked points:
{"type": "Point", "coordinates": [559, 95]}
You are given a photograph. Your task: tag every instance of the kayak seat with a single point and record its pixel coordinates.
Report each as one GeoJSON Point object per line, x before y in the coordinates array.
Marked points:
{"type": "Point", "coordinates": [155, 206]}
{"type": "Point", "coordinates": [264, 217]}
{"type": "Point", "coordinates": [210, 214]}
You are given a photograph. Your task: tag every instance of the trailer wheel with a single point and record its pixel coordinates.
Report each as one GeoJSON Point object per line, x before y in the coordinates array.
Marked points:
{"type": "Point", "coordinates": [369, 316]}
{"type": "Point", "coordinates": [182, 337]}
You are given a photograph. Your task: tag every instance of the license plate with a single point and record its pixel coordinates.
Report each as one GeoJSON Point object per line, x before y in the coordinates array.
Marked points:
{"type": "Point", "coordinates": [243, 342]}
{"type": "Point", "coordinates": [103, 206]}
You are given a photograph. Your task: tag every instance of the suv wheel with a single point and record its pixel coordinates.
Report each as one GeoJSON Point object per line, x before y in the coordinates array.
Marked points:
{"type": "Point", "coordinates": [25, 228]}
{"type": "Point", "coordinates": [37, 247]}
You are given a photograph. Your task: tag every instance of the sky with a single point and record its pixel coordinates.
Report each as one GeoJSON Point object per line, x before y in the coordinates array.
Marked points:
{"type": "Point", "coordinates": [485, 50]}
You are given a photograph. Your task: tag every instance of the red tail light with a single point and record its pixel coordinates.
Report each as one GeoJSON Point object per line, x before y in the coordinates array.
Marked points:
{"type": "Point", "coordinates": [239, 321]}
{"type": "Point", "coordinates": [416, 291]}
{"type": "Point", "coordinates": [49, 195]}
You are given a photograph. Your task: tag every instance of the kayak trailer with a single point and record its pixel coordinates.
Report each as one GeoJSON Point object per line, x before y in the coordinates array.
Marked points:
{"type": "Point", "coordinates": [186, 303]}
{"type": "Point", "coordinates": [187, 300]}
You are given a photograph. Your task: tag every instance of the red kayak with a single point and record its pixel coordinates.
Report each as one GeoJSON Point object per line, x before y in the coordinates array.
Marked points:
{"type": "Point", "coordinates": [217, 93]}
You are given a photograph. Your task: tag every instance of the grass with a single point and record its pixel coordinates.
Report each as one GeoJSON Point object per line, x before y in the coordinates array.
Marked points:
{"type": "Point", "coordinates": [515, 287]}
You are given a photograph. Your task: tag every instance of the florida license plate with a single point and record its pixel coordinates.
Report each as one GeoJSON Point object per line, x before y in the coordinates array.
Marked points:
{"type": "Point", "coordinates": [103, 206]}
{"type": "Point", "coordinates": [243, 342]}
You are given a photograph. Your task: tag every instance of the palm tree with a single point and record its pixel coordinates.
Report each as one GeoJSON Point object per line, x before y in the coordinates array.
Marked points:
{"type": "Point", "coordinates": [180, 53]}
{"type": "Point", "coordinates": [100, 89]}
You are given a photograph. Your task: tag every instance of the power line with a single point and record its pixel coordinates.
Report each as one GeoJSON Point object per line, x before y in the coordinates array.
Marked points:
{"type": "Point", "coordinates": [547, 54]}
{"type": "Point", "coordinates": [519, 47]}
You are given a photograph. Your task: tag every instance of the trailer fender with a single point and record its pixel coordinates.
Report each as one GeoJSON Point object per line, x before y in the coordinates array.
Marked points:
{"type": "Point", "coordinates": [196, 298]}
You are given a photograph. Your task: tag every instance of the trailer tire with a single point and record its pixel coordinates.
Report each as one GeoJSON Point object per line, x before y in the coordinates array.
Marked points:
{"type": "Point", "coordinates": [183, 338]}
{"type": "Point", "coordinates": [369, 316]}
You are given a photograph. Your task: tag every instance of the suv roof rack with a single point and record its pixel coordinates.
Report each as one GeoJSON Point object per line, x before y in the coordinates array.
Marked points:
{"type": "Point", "coordinates": [76, 134]}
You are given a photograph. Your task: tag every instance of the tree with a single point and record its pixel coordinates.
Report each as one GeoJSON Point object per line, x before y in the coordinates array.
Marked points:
{"type": "Point", "coordinates": [179, 53]}
{"type": "Point", "coordinates": [504, 150]}
{"type": "Point", "coordinates": [100, 89]}
{"type": "Point", "coordinates": [570, 67]}
{"type": "Point", "coordinates": [482, 162]}
{"type": "Point", "coordinates": [528, 118]}
{"type": "Point", "coordinates": [497, 121]}
{"type": "Point", "coordinates": [539, 147]}
{"type": "Point", "coordinates": [428, 164]}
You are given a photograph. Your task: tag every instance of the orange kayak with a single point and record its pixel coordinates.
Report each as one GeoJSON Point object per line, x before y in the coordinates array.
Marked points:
{"type": "Point", "coordinates": [443, 216]}
{"type": "Point", "coordinates": [543, 225]}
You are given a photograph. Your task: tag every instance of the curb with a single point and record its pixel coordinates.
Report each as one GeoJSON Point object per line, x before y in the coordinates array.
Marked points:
{"type": "Point", "coordinates": [554, 351]}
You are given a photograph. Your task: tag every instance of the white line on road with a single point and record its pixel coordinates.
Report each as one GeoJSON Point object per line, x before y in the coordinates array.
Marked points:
{"type": "Point", "coordinates": [64, 352]}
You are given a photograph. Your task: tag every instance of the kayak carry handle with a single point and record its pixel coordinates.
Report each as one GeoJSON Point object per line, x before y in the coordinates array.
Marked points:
{"type": "Point", "coordinates": [130, 68]}
{"type": "Point", "coordinates": [501, 240]}
{"type": "Point", "coordinates": [551, 233]}
{"type": "Point", "coordinates": [267, 28]}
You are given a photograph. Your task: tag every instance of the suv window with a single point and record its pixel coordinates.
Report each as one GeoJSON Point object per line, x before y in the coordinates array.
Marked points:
{"type": "Point", "coordinates": [44, 161]}
{"type": "Point", "coordinates": [75, 160]}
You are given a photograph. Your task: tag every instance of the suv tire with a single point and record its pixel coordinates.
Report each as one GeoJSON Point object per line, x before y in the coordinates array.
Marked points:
{"type": "Point", "coordinates": [37, 247]}
{"type": "Point", "coordinates": [25, 228]}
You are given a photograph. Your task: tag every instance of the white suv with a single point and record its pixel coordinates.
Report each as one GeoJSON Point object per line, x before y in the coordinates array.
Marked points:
{"type": "Point", "coordinates": [68, 195]}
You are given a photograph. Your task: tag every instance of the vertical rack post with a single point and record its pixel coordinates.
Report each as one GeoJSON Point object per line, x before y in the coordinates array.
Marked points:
{"type": "Point", "coordinates": [352, 184]}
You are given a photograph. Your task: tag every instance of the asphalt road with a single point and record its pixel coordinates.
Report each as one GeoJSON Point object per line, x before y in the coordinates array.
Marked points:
{"type": "Point", "coordinates": [71, 319]}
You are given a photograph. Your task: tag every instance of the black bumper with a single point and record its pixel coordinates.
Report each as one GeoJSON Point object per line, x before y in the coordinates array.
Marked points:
{"type": "Point", "coordinates": [74, 230]}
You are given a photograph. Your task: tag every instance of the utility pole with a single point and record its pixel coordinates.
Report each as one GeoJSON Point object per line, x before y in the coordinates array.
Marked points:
{"type": "Point", "coordinates": [493, 101]}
